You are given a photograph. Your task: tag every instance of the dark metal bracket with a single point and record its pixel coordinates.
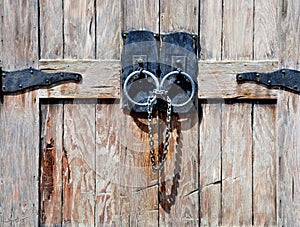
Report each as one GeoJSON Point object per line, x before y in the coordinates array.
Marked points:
{"type": "Point", "coordinates": [285, 78]}
{"type": "Point", "coordinates": [163, 62]}
{"type": "Point", "coordinates": [30, 79]}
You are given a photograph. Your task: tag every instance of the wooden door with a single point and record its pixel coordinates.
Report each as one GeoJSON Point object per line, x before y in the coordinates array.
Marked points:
{"type": "Point", "coordinates": [71, 156]}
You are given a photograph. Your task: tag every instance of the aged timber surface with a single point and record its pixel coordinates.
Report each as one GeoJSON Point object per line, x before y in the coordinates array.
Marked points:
{"type": "Point", "coordinates": [101, 79]}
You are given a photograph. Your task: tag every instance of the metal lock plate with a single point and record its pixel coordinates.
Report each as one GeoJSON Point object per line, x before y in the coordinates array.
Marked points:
{"type": "Point", "coordinates": [179, 51]}
{"type": "Point", "coordinates": [140, 51]}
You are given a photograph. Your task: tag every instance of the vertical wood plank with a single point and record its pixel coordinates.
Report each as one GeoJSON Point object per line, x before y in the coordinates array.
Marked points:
{"type": "Point", "coordinates": [238, 30]}
{"type": "Point", "coordinates": [51, 163]}
{"type": "Point", "coordinates": [107, 207]}
{"type": "Point", "coordinates": [179, 182]}
{"type": "Point", "coordinates": [138, 183]}
{"type": "Point", "coordinates": [19, 34]}
{"type": "Point", "coordinates": [19, 119]}
{"type": "Point", "coordinates": [79, 163]}
{"type": "Point", "coordinates": [236, 164]}
{"type": "Point", "coordinates": [264, 165]}
{"type": "Point", "coordinates": [51, 29]}
{"type": "Point", "coordinates": [179, 15]}
{"type": "Point", "coordinates": [211, 29]}
{"type": "Point", "coordinates": [140, 15]}
{"type": "Point", "coordinates": [289, 160]}
{"type": "Point", "coordinates": [290, 32]}
{"type": "Point", "coordinates": [108, 29]}
{"type": "Point", "coordinates": [266, 30]}
{"type": "Point", "coordinates": [210, 164]}
{"type": "Point", "coordinates": [79, 29]}
{"type": "Point", "coordinates": [288, 126]}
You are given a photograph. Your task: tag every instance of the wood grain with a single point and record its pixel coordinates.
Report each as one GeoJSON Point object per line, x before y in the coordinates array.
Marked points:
{"type": "Point", "coordinates": [19, 27]}
{"type": "Point", "coordinates": [79, 29]}
{"type": "Point", "coordinates": [179, 15]}
{"type": "Point", "coordinates": [51, 29]}
{"type": "Point", "coordinates": [19, 119]}
{"type": "Point", "coordinates": [210, 138]}
{"type": "Point", "coordinates": [140, 15]}
{"type": "Point", "coordinates": [236, 164]}
{"type": "Point", "coordinates": [216, 79]}
{"type": "Point", "coordinates": [264, 165]}
{"type": "Point", "coordinates": [266, 30]}
{"type": "Point", "coordinates": [238, 30]}
{"type": "Point", "coordinates": [179, 181]}
{"type": "Point", "coordinates": [107, 200]}
{"type": "Point", "coordinates": [211, 29]}
{"type": "Point", "coordinates": [108, 30]}
{"type": "Point", "coordinates": [290, 32]}
{"type": "Point", "coordinates": [51, 163]}
{"type": "Point", "coordinates": [138, 183]}
{"type": "Point", "coordinates": [79, 163]}
{"type": "Point", "coordinates": [289, 160]}
{"type": "Point", "coordinates": [287, 119]}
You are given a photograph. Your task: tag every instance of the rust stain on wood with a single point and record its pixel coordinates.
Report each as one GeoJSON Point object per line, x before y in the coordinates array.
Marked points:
{"type": "Point", "coordinates": [48, 161]}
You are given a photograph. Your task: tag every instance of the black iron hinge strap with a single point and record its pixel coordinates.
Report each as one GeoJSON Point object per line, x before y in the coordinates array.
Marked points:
{"type": "Point", "coordinates": [285, 78]}
{"type": "Point", "coordinates": [18, 81]}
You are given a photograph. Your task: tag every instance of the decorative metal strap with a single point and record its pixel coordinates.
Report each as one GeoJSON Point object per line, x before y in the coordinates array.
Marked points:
{"type": "Point", "coordinates": [17, 81]}
{"type": "Point", "coordinates": [284, 78]}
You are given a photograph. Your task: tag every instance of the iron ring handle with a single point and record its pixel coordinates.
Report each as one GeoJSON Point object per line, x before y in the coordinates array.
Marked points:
{"type": "Point", "coordinates": [190, 79]}
{"type": "Point", "coordinates": [133, 74]}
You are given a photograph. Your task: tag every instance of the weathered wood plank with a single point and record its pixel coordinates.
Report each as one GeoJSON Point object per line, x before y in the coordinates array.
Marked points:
{"type": "Point", "coordinates": [79, 163]}
{"type": "Point", "coordinates": [290, 33]}
{"type": "Point", "coordinates": [210, 138]}
{"type": "Point", "coordinates": [51, 29]}
{"type": "Point", "coordinates": [179, 15]}
{"type": "Point", "coordinates": [107, 207]}
{"type": "Point", "coordinates": [79, 29]}
{"type": "Point", "coordinates": [101, 79]}
{"type": "Point", "coordinates": [264, 165]}
{"type": "Point", "coordinates": [138, 183]}
{"type": "Point", "coordinates": [238, 30]}
{"type": "Point", "coordinates": [19, 161]}
{"type": "Point", "coordinates": [288, 202]}
{"type": "Point", "coordinates": [236, 164]}
{"type": "Point", "coordinates": [51, 163]}
{"type": "Point", "coordinates": [19, 119]}
{"type": "Point", "coordinates": [140, 15]}
{"type": "Point", "coordinates": [288, 128]}
{"type": "Point", "coordinates": [266, 30]}
{"type": "Point", "coordinates": [211, 29]}
{"type": "Point", "coordinates": [19, 35]}
{"type": "Point", "coordinates": [108, 29]}
{"type": "Point", "coordinates": [179, 182]}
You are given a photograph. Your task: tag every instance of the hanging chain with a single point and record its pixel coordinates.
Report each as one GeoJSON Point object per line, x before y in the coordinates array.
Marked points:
{"type": "Point", "coordinates": [150, 103]}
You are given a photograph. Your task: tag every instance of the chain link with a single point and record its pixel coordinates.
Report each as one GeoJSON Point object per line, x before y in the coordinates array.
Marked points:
{"type": "Point", "coordinates": [150, 102]}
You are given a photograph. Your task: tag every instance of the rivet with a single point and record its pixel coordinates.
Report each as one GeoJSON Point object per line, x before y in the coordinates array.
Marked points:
{"type": "Point", "coordinates": [47, 81]}
{"type": "Point", "coordinates": [3, 75]}
{"type": "Point", "coordinates": [62, 74]}
{"type": "Point", "coordinates": [195, 37]}
{"type": "Point", "coordinates": [240, 77]}
{"type": "Point", "coordinates": [283, 71]}
{"type": "Point", "coordinates": [257, 76]}
{"type": "Point", "coordinates": [156, 35]}
{"type": "Point", "coordinates": [296, 87]}
{"type": "Point", "coordinates": [31, 71]}
{"type": "Point", "coordinates": [3, 88]}
{"type": "Point", "coordinates": [20, 86]}
{"type": "Point", "coordinates": [125, 35]}
{"type": "Point", "coordinates": [77, 77]}
{"type": "Point", "coordinates": [269, 81]}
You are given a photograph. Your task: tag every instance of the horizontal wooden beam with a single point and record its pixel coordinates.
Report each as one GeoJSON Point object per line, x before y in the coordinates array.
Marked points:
{"type": "Point", "coordinates": [101, 79]}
